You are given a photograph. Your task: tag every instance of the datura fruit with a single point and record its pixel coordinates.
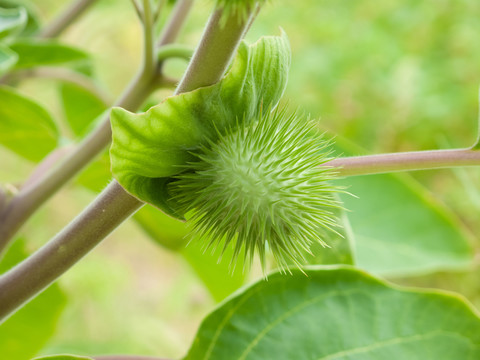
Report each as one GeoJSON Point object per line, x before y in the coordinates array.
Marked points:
{"type": "Point", "coordinates": [226, 158]}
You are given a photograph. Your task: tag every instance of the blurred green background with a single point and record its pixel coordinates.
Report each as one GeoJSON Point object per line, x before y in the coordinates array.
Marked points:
{"type": "Point", "coordinates": [387, 76]}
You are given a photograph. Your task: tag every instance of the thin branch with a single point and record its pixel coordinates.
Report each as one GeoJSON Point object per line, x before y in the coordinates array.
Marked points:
{"type": "Point", "coordinates": [149, 61]}
{"type": "Point", "coordinates": [138, 9]}
{"type": "Point", "coordinates": [46, 164]}
{"type": "Point", "coordinates": [174, 51]}
{"type": "Point", "coordinates": [62, 74]}
{"type": "Point", "coordinates": [64, 250]}
{"type": "Point", "coordinates": [111, 207]}
{"type": "Point", "coordinates": [66, 18]}
{"type": "Point", "coordinates": [407, 161]}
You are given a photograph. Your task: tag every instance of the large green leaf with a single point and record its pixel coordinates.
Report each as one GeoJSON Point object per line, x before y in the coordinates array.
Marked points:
{"type": "Point", "coordinates": [33, 53]}
{"type": "Point", "coordinates": [12, 21]}
{"type": "Point", "coordinates": [149, 148]}
{"type": "Point", "coordinates": [81, 107]}
{"type": "Point", "coordinates": [25, 127]}
{"type": "Point", "coordinates": [26, 332]}
{"type": "Point", "coordinates": [338, 313]}
{"type": "Point", "coordinates": [401, 229]}
{"type": "Point", "coordinates": [8, 58]}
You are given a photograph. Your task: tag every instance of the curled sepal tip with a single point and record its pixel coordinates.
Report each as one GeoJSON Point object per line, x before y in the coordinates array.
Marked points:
{"type": "Point", "coordinates": [261, 186]}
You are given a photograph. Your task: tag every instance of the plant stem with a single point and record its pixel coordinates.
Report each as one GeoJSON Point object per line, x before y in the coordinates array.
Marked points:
{"type": "Point", "coordinates": [31, 197]}
{"type": "Point", "coordinates": [62, 74]}
{"type": "Point", "coordinates": [67, 17]}
{"type": "Point", "coordinates": [72, 243]}
{"type": "Point", "coordinates": [110, 208]}
{"type": "Point", "coordinates": [407, 161]}
{"type": "Point", "coordinates": [174, 51]}
{"type": "Point", "coordinates": [215, 51]}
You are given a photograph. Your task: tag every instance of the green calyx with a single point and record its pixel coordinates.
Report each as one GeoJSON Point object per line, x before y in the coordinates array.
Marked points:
{"type": "Point", "coordinates": [148, 149]}
{"type": "Point", "coordinates": [262, 186]}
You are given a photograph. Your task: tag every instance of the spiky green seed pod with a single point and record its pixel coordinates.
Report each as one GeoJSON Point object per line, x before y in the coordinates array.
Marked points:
{"type": "Point", "coordinates": [262, 187]}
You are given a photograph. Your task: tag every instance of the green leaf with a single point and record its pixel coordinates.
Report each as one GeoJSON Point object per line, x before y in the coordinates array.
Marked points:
{"type": "Point", "coordinates": [80, 107]}
{"type": "Point", "coordinates": [337, 313]}
{"type": "Point", "coordinates": [172, 234]}
{"type": "Point", "coordinates": [25, 127]}
{"type": "Point", "coordinates": [149, 148]}
{"type": "Point", "coordinates": [26, 332]}
{"type": "Point", "coordinates": [8, 58]}
{"type": "Point", "coordinates": [12, 21]}
{"type": "Point", "coordinates": [34, 53]}
{"type": "Point", "coordinates": [63, 357]}
{"type": "Point", "coordinates": [401, 229]}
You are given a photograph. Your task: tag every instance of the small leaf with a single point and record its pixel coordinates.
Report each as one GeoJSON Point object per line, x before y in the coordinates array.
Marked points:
{"type": "Point", "coordinates": [12, 21]}
{"type": "Point", "coordinates": [8, 58]}
{"type": "Point", "coordinates": [80, 107]}
{"type": "Point", "coordinates": [25, 127]}
{"type": "Point", "coordinates": [35, 323]}
{"type": "Point", "coordinates": [148, 148]}
{"type": "Point", "coordinates": [337, 313]}
{"type": "Point", "coordinates": [63, 357]}
{"type": "Point", "coordinates": [34, 53]}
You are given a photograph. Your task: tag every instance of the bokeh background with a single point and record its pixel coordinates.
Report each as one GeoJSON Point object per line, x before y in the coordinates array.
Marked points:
{"type": "Point", "coordinates": [385, 75]}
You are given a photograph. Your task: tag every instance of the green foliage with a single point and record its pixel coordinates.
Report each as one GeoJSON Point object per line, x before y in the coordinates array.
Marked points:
{"type": "Point", "coordinates": [33, 21]}
{"type": "Point", "coordinates": [149, 148]}
{"type": "Point", "coordinates": [261, 186]}
{"type": "Point", "coordinates": [26, 127]}
{"type": "Point", "coordinates": [25, 333]}
{"type": "Point", "coordinates": [34, 53]}
{"type": "Point", "coordinates": [8, 58]}
{"type": "Point", "coordinates": [341, 243]}
{"type": "Point", "coordinates": [425, 236]}
{"type": "Point", "coordinates": [337, 313]}
{"type": "Point", "coordinates": [12, 22]}
{"type": "Point", "coordinates": [63, 357]}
